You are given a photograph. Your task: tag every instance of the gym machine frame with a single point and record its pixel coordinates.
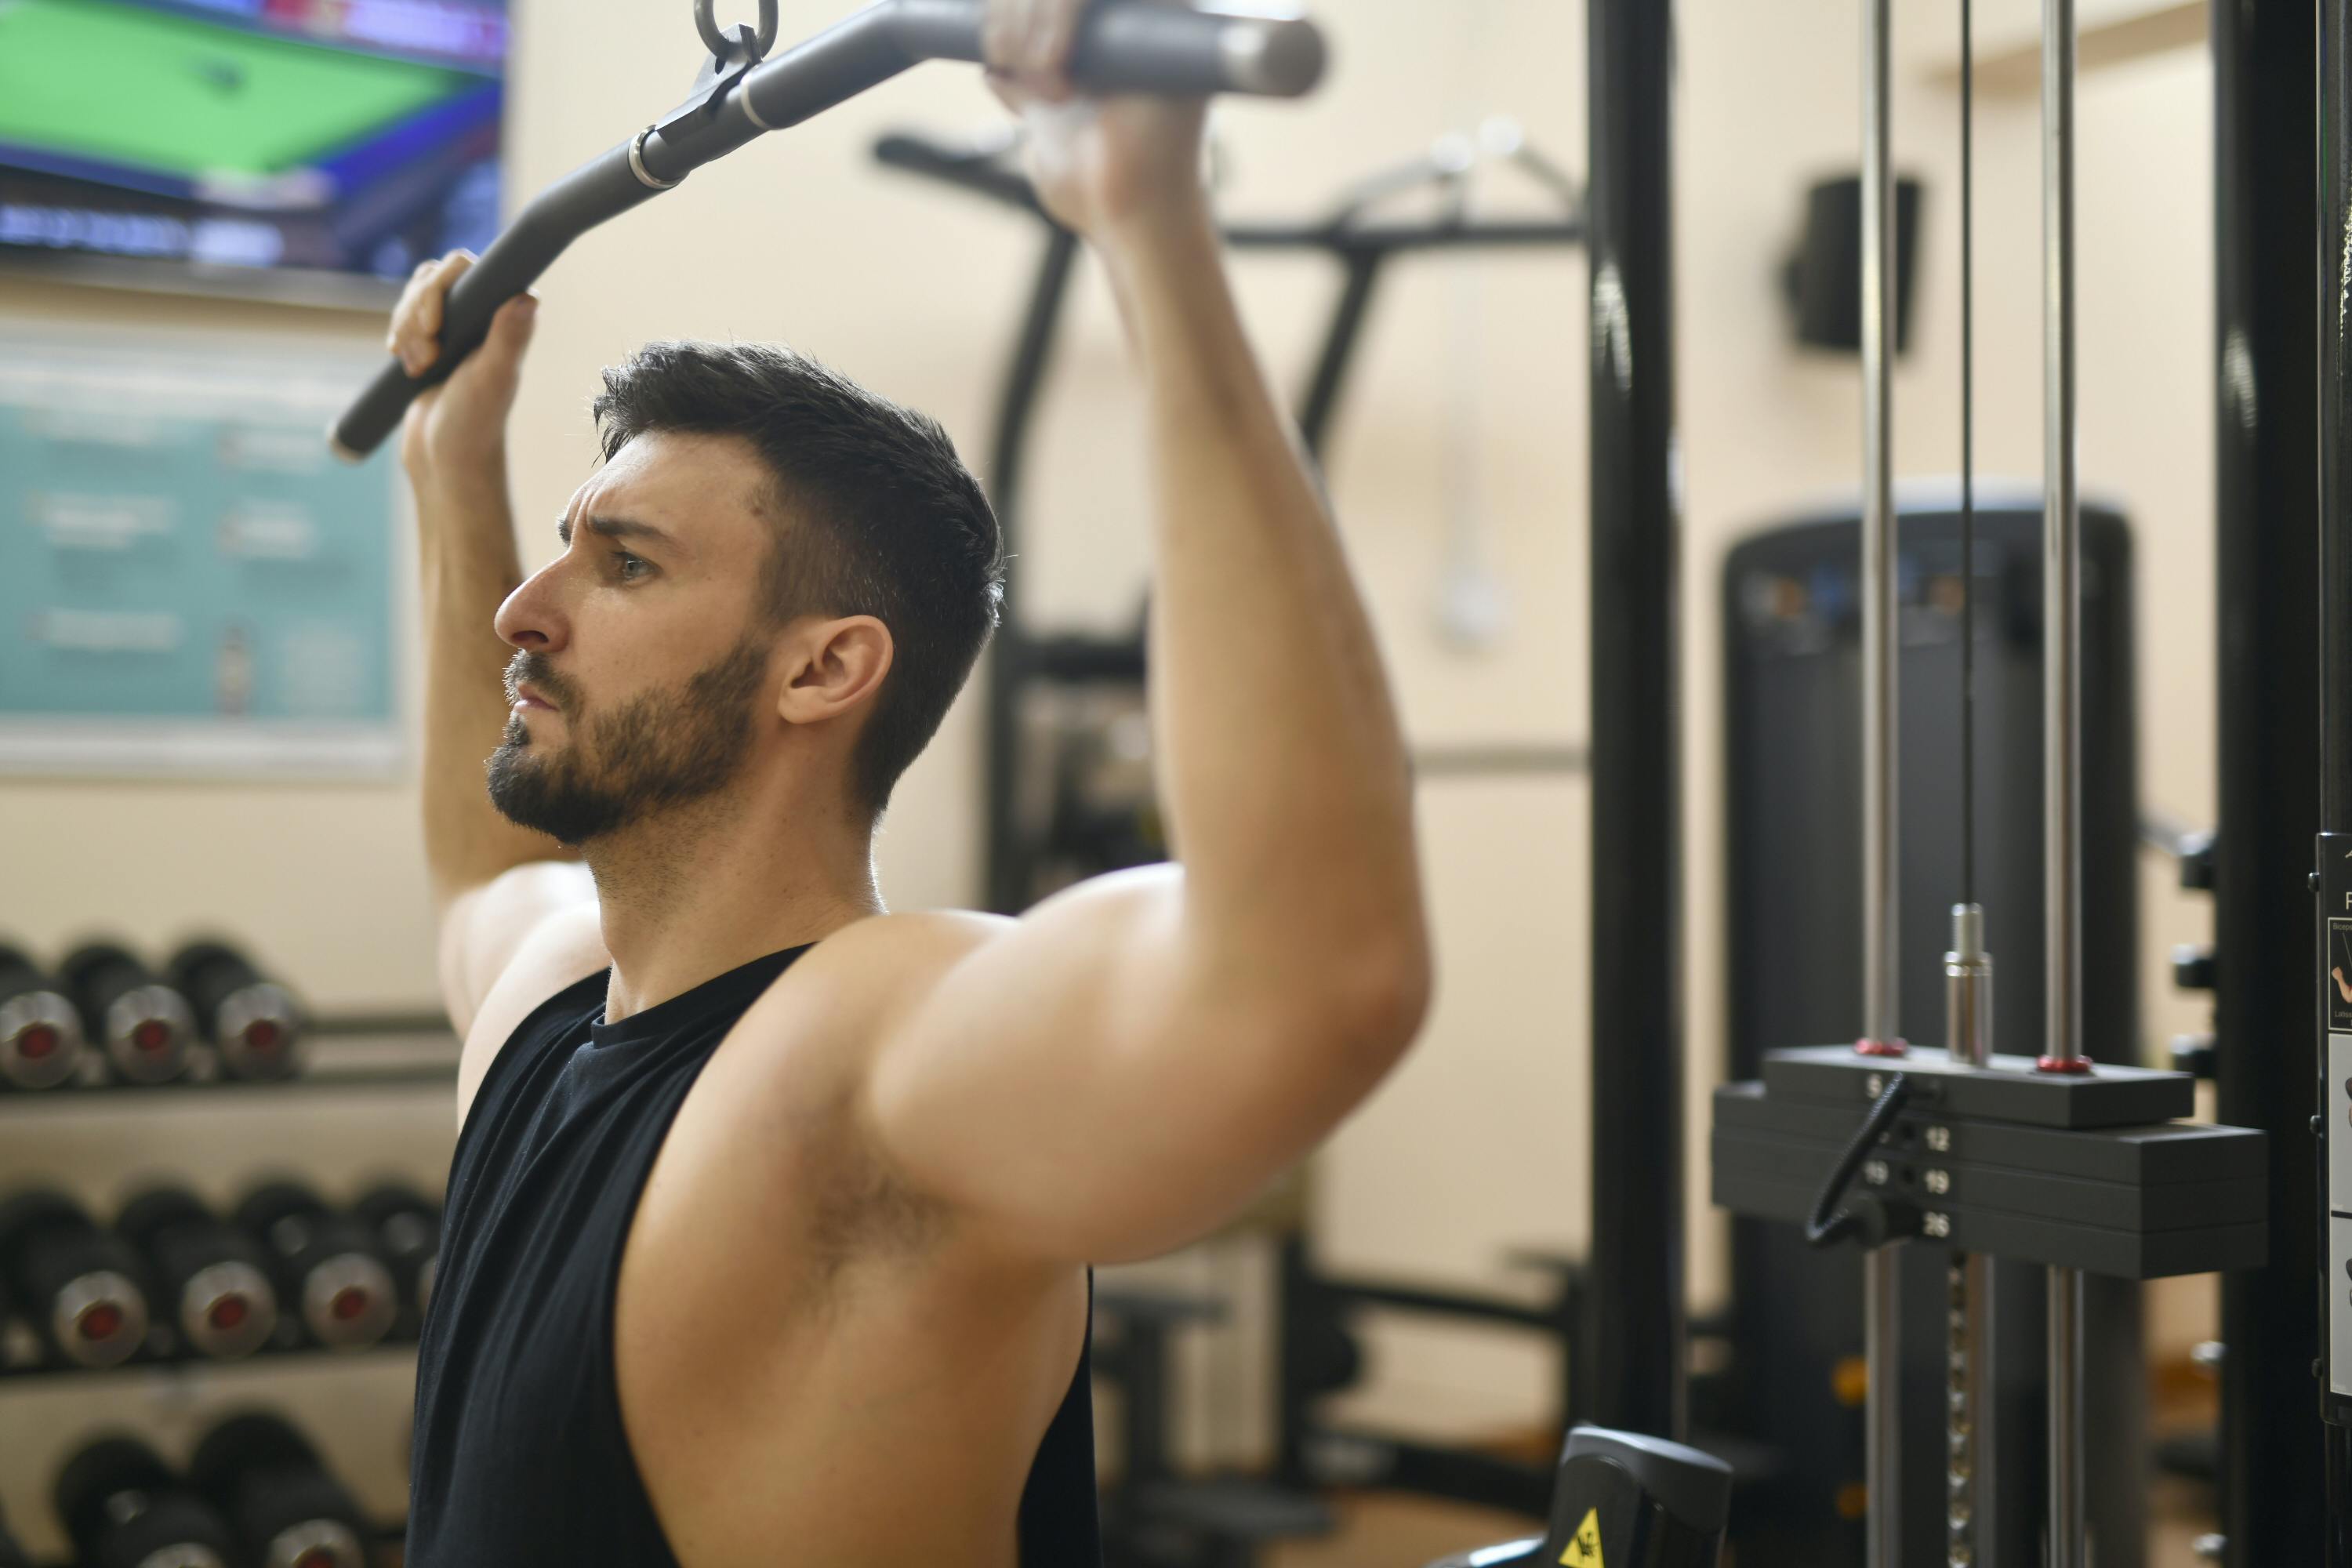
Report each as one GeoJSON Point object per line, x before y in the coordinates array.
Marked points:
{"type": "Point", "coordinates": [2331, 878]}
{"type": "Point", "coordinates": [2273, 269]}
{"type": "Point", "coordinates": [1363, 247]}
{"type": "Point", "coordinates": [2040, 1160]}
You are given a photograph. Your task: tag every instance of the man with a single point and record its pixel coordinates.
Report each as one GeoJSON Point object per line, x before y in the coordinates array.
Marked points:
{"type": "Point", "coordinates": [771, 1214]}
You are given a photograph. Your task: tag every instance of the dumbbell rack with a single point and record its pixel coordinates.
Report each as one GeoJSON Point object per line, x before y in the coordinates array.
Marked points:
{"type": "Point", "coordinates": [398, 1072]}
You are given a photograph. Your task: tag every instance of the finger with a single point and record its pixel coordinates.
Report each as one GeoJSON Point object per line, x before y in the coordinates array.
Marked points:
{"type": "Point", "coordinates": [1048, 88]}
{"type": "Point", "coordinates": [420, 337]}
{"type": "Point", "coordinates": [1053, 36]}
{"type": "Point", "coordinates": [1003, 32]}
{"type": "Point", "coordinates": [432, 306]}
{"type": "Point", "coordinates": [1036, 24]}
{"type": "Point", "coordinates": [1015, 22]}
{"type": "Point", "coordinates": [402, 307]}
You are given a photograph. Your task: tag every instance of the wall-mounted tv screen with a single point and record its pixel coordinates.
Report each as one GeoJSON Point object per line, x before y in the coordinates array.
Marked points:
{"type": "Point", "coordinates": [282, 148]}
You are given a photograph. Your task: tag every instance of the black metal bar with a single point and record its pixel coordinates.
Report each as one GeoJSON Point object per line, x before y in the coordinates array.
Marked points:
{"type": "Point", "coordinates": [1296, 1327]}
{"type": "Point", "coordinates": [2327, 1449]}
{"type": "Point", "coordinates": [2335, 420]}
{"type": "Point", "coordinates": [1346, 1294]}
{"type": "Point", "coordinates": [1145, 1402]}
{"type": "Point", "coordinates": [2266, 241]}
{"type": "Point", "coordinates": [1387, 238]}
{"type": "Point", "coordinates": [1346, 1456]}
{"type": "Point", "coordinates": [1636, 1336]}
{"type": "Point", "coordinates": [978, 170]}
{"type": "Point", "coordinates": [1339, 339]}
{"type": "Point", "coordinates": [983, 173]}
{"type": "Point", "coordinates": [1005, 870]}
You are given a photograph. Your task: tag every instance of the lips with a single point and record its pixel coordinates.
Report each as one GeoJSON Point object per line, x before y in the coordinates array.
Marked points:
{"type": "Point", "coordinates": [527, 696]}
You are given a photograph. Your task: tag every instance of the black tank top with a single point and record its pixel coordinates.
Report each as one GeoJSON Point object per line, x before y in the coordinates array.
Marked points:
{"type": "Point", "coordinates": [519, 1457]}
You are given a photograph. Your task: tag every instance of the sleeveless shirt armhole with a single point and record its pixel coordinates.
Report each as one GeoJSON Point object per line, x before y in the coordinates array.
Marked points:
{"type": "Point", "coordinates": [503, 1065]}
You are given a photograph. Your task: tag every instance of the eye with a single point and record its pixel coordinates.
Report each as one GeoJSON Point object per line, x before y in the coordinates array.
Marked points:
{"type": "Point", "coordinates": [628, 567]}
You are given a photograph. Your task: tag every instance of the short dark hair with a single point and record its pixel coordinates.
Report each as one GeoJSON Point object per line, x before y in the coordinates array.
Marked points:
{"type": "Point", "coordinates": [893, 524]}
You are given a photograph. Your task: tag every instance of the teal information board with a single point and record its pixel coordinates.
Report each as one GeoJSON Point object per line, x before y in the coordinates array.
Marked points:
{"type": "Point", "coordinates": [189, 582]}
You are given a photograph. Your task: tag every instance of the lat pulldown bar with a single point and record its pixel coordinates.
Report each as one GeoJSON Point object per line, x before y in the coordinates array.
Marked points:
{"type": "Point", "coordinates": [1129, 45]}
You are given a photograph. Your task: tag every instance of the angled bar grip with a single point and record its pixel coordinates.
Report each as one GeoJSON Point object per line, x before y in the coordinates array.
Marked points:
{"type": "Point", "coordinates": [1124, 45]}
{"type": "Point", "coordinates": [558, 216]}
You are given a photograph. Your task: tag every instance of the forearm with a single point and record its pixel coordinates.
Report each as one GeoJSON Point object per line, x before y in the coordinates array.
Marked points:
{"type": "Point", "coordinates": [1283, 768]}
{"type": "Point", "coordinates": [466, 552]}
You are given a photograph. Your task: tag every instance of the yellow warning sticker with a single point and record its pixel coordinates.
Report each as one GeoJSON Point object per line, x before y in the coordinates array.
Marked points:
{"type": "Point", "coordinates": [1584, 1548]}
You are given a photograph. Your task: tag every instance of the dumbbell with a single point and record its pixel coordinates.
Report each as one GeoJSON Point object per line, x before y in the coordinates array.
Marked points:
{"type": "Point", "coordinates": [40, 1033]}
{"type": "Point", "coordinates": [408, 1233]}
{"type": "Point", "coordinates": [250, 1020]}
{"type": "Point", "coordinates": [142, 1026]}
{"type": "Point", "coordinates": [79, 1286]}
{"type": "Point", "coordinates": [125, 1508]}
{"type": "Point", "coordinates": [210, 1278]}
{"type": "Point", "coordinates": [325, 1265]}
{"type": "Point", "coordinates": [284, 1506]}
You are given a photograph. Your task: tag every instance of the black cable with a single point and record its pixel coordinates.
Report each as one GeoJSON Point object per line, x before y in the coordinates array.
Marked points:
{"type": "Point", "coordinates": [1967, 469]}
{"type": "Point", "coordinates": [1821, 1228]}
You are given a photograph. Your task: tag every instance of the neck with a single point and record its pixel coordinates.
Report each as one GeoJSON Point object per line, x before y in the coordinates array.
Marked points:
{"type": "Point", "coordinates": [706, 889]}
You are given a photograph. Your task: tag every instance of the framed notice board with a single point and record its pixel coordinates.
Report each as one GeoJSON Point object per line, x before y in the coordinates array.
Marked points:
{"type": "Point", "coordinates": [189, 582]}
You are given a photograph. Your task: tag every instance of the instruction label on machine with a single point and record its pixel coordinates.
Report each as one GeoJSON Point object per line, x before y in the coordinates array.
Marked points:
{"type": "Point", "coordinates": [2334, 1124]}
{"type": "Point", "coordinates": [2339, 975]}
{"type": "Point", "coordinates": [1584, 1546]}
{"type": "Point", "coordinates": [2337, 1117]}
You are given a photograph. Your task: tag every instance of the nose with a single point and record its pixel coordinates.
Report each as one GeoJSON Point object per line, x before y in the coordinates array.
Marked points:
{"type": "Point", "coordinates": [532, 616]}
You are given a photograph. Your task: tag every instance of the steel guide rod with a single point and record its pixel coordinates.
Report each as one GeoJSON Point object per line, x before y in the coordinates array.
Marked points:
{"type": "Point", "coordinates": [2061, 740]}
{"type": "Point", "coordinates": [1970, 1529]}
{"type": "Point", "coordinates": [1969, 1473]}
{"type": "Point", "coordinates": [1881, 856]}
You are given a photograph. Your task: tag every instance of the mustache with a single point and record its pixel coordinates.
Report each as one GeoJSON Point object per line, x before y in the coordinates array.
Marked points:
{"type": "Point", "coordinates": [527, 669]}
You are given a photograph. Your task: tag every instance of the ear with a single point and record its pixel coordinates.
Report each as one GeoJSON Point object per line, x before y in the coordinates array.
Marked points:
{"type": "Point", "coordinates": [832, 667]}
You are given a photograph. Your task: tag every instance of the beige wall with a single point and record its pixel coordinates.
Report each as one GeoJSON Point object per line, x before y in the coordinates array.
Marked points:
{"type": "Point", "coordinates": [1478, 1143]}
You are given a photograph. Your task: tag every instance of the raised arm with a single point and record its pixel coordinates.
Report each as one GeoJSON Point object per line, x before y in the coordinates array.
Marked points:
{"type": "Point", "coordinates": [1117, 1071]}
{"type": "Point", "coordinates": [454, 446]}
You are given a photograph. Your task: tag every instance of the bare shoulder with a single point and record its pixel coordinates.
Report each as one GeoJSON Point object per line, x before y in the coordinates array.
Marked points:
{"type": "Point", "coordinates": [807, 1048]}
{"type": "Point", "coordinates": [560, 949]}
{"type": "Point", "coordinates": [779, 1107]}
{"type": "Point", "coordinates": [853, 986]}
{"type": "Point", "coordinates": [898, 949]}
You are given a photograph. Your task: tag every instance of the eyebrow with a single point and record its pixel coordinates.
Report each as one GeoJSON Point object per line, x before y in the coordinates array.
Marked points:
{"type": "Point", "coordinates": [618, 528]}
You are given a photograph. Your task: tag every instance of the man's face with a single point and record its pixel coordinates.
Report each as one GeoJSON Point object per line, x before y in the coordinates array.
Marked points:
{"type": "Point", "coordinates": [642, 658]}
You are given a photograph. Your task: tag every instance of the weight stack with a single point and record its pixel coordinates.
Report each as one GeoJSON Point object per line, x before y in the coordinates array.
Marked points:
{"type": "Point", "coordinates": [1792, 616]}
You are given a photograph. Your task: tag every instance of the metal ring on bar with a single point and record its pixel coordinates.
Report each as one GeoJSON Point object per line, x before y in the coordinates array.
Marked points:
{"type": "Point", "coordinates": [723, 44]}
{"type": "Point", "coordinates": [637, 165]}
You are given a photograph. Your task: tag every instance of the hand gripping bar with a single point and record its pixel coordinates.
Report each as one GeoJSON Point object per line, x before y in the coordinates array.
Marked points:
{"type": "Point", "coordinates": [1123, 45]}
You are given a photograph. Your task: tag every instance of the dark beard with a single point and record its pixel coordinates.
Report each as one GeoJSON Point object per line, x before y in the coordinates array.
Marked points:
{"type": "Point", "coordinates": [658, 749]}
